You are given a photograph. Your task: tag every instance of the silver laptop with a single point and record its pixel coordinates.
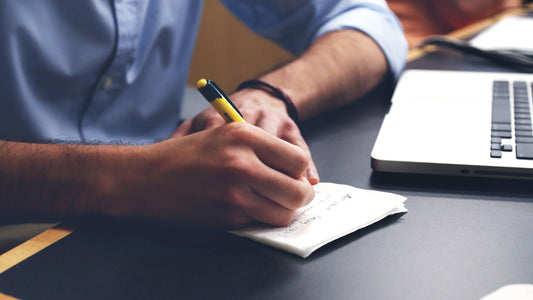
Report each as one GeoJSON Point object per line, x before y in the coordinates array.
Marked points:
{"type": "Point", "coordinates": [458, 123]}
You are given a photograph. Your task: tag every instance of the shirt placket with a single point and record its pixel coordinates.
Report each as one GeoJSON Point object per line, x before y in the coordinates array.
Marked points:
{"type": "Point", "coordinates": [127, 20]}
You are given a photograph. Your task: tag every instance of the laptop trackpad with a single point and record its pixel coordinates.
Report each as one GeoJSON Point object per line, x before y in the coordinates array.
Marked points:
{"type": "Point", "coordinates": [437, 128]}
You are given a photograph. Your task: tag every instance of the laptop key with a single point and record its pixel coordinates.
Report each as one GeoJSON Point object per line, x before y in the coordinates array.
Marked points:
{"type": "Point", "coordinates": [521, 105]}
{"type": "Point", "coordinates": [522, 122]}
{"type": "Point", "coordinates": [524, 151]}
{"type": "Point", "coordinates": [523, 127]}
{"type": "Point", "coordinates": [522, 116]}
{"type": "Point", "coordinates": [521, 99]}
{"type": "Point", "coordinates": [500, 97]}
{"type": "Point", "coordinates": [501, 112]}
{"type": "Point", "coordinates": [523, 140]}
{"type": "Point", "coordinates": [495, 154]}
{"type": "Point", "coordinates": [507, 147]}
{"type": "Point", "coordinates": [501, 134]}
{"type": "Point", "coordinates": [523, 133]}
{"type": "Point", "coordinates": [522, 110]}
{"type": "Point", "coordinates": [501, 127]}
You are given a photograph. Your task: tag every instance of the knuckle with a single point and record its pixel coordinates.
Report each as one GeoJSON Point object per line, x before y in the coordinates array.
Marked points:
{"type": "Point", "coordinates": [247, 112]}
{"type": "Point", "coordinates": [304, 195]}
{"type": "Point", "coordinates": [298, 198]}
{"type": "Point", "coordinates": [263, 114]}
{"type": "Point", "coordinates": [234, 200]}
{"type": "Point", "coordinates": [240, 132]}
{"type": "Point", "coordinates": [291, 126]}
{"type": "Point", "coordinates": [244, 134]}
{"type": "Point", "coordinates": [238, 166]}
{"type": "Point", "coordinates": [302, 158]}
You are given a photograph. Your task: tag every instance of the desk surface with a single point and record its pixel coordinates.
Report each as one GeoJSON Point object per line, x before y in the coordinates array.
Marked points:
{"type": "Point", "coordinates": [461, 239]}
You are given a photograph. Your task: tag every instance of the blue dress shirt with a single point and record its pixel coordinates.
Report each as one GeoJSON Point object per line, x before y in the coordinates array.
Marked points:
{"type": "Point", "coordinates": [105, 71]}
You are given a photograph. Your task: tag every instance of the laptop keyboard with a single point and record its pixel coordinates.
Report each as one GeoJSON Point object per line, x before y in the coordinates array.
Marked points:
{"type": "Point", "coordinates": [511, 117]}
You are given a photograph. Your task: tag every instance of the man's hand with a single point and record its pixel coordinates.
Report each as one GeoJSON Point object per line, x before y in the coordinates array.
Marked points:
{"type": "Point", "coordinates": [226, 176]}
{"type": "Point", "coordinates": [260, 109]}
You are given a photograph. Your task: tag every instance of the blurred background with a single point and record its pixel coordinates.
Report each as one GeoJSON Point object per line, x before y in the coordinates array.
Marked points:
{"type": "Point", "coordinates": [228, 52]}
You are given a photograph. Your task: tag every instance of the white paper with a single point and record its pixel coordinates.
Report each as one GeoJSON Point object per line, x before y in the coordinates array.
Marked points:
{"type": "Point", "coordinates": [522, 291]}
{"type": "Point", "coordinates": [336, 210]}
{"type": "Point", "coordinates": [510, 33]}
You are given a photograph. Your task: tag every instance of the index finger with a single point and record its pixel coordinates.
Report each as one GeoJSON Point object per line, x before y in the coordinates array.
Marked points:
{"type": "Point", "coordinates": [277, 153]}
{"type": "Point", "coordinates": [293, 136]}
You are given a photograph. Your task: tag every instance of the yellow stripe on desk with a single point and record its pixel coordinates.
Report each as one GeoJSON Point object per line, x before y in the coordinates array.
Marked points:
{"type": "Point", "coordinates": [6, 297]}
{"type": "Point", "coordinates": [33, 246]}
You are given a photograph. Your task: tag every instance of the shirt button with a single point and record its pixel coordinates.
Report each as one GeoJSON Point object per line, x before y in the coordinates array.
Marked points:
{"type": "Point", "coordinates": [107, 83]}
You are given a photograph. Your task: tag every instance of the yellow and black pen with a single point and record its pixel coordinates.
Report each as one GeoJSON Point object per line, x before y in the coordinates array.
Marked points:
{"type": "Point", "coordinates": [219, 101]}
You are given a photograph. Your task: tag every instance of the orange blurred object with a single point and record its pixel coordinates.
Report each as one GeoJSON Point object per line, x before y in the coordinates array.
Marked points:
{"type": "Point", "coordinates": [423, 18]}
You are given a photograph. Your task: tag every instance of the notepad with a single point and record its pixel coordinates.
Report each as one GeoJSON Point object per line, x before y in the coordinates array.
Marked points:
{"type": "Point", "coordinates": [336, 211]}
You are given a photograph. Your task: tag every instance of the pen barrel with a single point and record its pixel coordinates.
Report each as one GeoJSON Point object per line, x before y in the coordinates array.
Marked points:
{"type": "Point", "coordinates": [226, 110]}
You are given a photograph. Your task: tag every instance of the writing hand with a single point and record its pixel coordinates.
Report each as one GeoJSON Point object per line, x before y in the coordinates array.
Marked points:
{"type": "Point", "coordinates": [262, 110]}
{"type": "Point", "coordinates": [226, 176]}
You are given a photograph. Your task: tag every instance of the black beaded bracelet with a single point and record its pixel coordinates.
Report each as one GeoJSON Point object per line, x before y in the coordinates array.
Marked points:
{"type": "Point", "coordinates": [274, 91]}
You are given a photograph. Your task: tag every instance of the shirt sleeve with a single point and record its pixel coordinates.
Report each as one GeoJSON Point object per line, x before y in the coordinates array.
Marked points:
{"type": "Point", "coordinates": [296, 24]}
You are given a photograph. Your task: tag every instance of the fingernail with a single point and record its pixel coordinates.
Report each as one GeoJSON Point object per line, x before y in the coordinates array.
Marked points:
{"type": "Point", "coordinates": [312, 176]}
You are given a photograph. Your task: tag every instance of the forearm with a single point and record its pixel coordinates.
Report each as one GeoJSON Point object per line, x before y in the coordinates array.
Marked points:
{"type": "Point", "coordinates": [338, 68]}
{"type": "Point", "coordinates": [46, 180]}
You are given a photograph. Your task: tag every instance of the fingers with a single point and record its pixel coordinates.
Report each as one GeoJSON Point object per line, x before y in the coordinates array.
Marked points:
{"type": "Point", "coordinates": [279, 173]}
{"type": "Point", "coordinates": [206, 119]}
{"type": "Point", "coordinates": [272, 168]}
{"type": "Point", "coordinates": [279, 212]}
{"type": "Point", "coordinates": [312, 174]}
{"type": "Point", "coordinates": [285, 158]}
{"type": "Point", "coordinates": [289, 132]}
{"type": "Point", "coordinates": [269, 120]}
{"type": "Point", "coordinates": [183, 130]}
{"type": "Point", "coordinates": [271, 201]}
{"type": "Point", "coordinates": [280, 154]}
{"type": "Point", "coordinates": [209, 119]}
{"type": "Point", "coordinates": [294, 137]}
{"type": "Point", "coordinates": [276, 179]}
{"type": "Point", "coordinates": [285, 191]}
{"type": "Point", "coordinates": [267, 211]}
{"type": "Point", "coordinates": [253, 176]}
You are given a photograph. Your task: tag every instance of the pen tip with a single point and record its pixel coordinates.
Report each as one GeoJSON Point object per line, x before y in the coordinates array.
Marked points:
{"type": "Point", "coordinates": [201, 83]}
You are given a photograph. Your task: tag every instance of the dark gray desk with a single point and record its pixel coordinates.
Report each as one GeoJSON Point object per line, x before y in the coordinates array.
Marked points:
{"type": "Point", "coordinates": [461, 239]}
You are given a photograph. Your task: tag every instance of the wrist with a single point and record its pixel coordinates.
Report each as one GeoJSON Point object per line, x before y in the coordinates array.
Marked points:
{"type": "Point", "coordinates": [274, 91]}
{"type": "Point", "coordinates": [114, 177]}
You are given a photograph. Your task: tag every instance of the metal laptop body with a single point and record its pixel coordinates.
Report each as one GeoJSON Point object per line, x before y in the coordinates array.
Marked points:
{"type": "Point", "coordinates": [442, 122]}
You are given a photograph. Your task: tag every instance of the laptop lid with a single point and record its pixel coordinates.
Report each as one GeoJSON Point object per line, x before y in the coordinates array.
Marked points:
{"type": "Point", "coordinates": [440, 122]}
